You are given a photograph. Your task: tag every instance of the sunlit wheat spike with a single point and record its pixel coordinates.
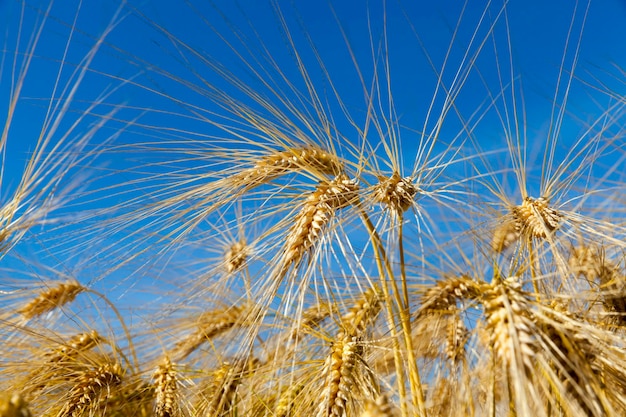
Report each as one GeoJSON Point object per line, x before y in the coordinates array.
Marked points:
{"type": "Point", "coordinates": [456, 337]}
{"type": "Point", "coordinates": [590, 262]}
{"type": "Point", "coordinates": [380, 407]}
{"type": "Point", "coordinates": [340, 370]}
{"type": "Point", "coordinates": [165, 388]}
{"type": "Point", "coordinates": [287, 400]}
{"type": "Point", "coordinates": [442, 297]}
{"type": "Point", "coordinates": [505, 234]}
{"type": "Point", "coordinates": [364, 311]}
{"type": "Point", "coordinates": [132, 399]}
{"type": "Point", "coordinates": [315, 215]}
{"type": "Point", "coordinates": [90, 388]}
{"type": "Point", "coordinates": [76, 344]}
{"type": "Point", "coordinates": [395, 192]}
{"type": "Point", "coordinates": [51, 298]}
{"type": "Point", "coordinates": [309, 319]}
{"type": "Point", "coordinates": [209, 325]}
{"type": "Point", "coordinates": [511, 330]}
{"type": "Point", "coordinates": [223, 389]}
{"type": "Point", "coordinates": [535, 217]}
{"type": "Point", "coordinates": [315, 161]}
{"type": "Point", "coordinates": [13, 405]}
{"type": "Point", "coordinates": [236, 256]}
{"type": "Point", "coordinates": [574, 360]}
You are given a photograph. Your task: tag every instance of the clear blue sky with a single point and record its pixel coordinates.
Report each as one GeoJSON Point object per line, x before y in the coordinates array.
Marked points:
{"type": "Point", "coordinates": [136, 50]}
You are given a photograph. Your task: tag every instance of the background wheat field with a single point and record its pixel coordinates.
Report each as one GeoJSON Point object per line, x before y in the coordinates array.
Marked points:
{"type": "Point", "coordinates": [302, 208]}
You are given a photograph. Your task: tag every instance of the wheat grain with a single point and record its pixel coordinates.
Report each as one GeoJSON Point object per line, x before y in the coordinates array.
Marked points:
{"type": "Point", "coordinates": [90, 387]}
{"type": "Point", "coordinates": [223, 389]}
{"type": "Point", "coordinates": [442, 298]}
{"type": "Point", "coordinates": [534, 218]}
{"type": "Point", "coordinates": [507, 233]}
{"type": "Point", "coordinates": [48, 300]}
{"type": "Point", "coordinates": [507, 320]}
{"type": "Point", "coordinates": [456, 337]}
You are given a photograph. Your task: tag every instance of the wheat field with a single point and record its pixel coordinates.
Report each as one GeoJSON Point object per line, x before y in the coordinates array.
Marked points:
{"type": "Point", "coordinates": [275, 209]}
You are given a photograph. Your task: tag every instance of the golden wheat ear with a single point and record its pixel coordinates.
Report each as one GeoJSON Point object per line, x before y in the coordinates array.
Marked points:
{"type": "Point", "coordinates": [315, 214]}
{"type": "Point", "coordinates": [13, 405]}
{"type": "Point", "coordinates": [340, 370]}
{"type": "Point", "coordinates": [534, 218]}
{"type": "Point", "coordinates": [209, 325]}
{"type": "Point", "coordinates": [51, 299]}
{"type": "Point", "coordinates": [91, 388]}
{"type": "Point", "coordinates": [380, 407]}
{"type": "Point", "coordinates": [236, 256]}
{"type": "Point", "coordinates": [395, 192]}
{"type": "Point", "coordinates": [314, 161]}
{"type": "Point", "coordinates": [165, 380]}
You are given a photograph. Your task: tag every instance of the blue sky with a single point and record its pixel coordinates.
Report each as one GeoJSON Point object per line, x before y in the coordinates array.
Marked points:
{"type": "Point", "coordinates": [140, 66]}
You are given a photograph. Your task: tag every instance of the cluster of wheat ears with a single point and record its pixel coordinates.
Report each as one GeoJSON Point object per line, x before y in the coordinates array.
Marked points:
{"type": "Point", "coordinates": [261, 247]}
